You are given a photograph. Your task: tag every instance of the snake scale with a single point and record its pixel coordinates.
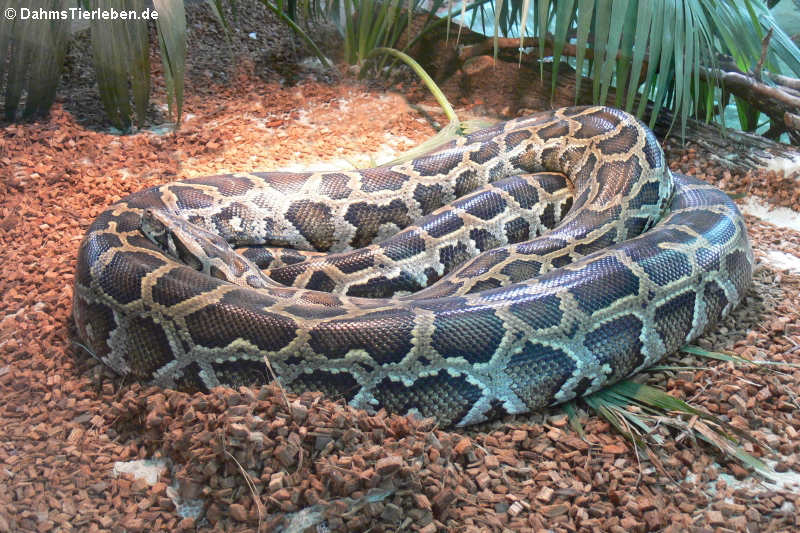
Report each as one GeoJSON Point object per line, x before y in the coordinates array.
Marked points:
{"type": "Point", "coordinates": [465, 284]}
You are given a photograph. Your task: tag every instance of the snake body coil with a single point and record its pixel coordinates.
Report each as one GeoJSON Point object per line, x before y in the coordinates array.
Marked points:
{"type": "Point", "coordinates": [524, 290]}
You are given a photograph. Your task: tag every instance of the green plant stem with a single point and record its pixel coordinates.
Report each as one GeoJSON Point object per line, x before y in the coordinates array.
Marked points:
{"type": "Point", "coordinates": [303, 35]}
{"type": "Point", "coordinates": [437, 93]}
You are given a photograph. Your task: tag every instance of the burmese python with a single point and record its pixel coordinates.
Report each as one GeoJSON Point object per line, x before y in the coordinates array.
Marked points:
{"type": "Point", "coordinates": [470, 314]}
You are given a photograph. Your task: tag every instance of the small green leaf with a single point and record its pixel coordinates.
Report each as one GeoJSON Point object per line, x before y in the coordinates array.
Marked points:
{"type": "Point", "coordinates": [636, 409]}
{"type": "Point", "coordinates": [172, 41]}
{"type": "Point", "coordinates": [564, 16]}
{"type": "Point", "coordinates": [498, 7]}
{"type": "Point", "coordinates": [654, 59]}
{"type": "Point", "coordinates": [585, 11]}
{"type": "Point", "coordinates": [122, 62]}
{"type": "Point", "coordinates": [523, 25]}
{"type": "Point", "coordinates": [696, 350]}
{"type": "Point", "coordinates": [602, 30]}
{"type": "Point", "coordinates": [31, 56]}
{"type": "Point", "coordinates": [299, 31]}
{"type": "Point", "coordinates": [219, 14]}
{"type": "Point", "coordinates": [543, 23]}
{"type": "Point", "coordinates": [441, 99]}
{"type": "Point", "coordinates": [666, 59]}
{"type": "Point", "coordinates": [574, 421]}
{"type": "Point", "coordinates": [644, 18]}
{"type": "Point", "coordinates": [612, 45]}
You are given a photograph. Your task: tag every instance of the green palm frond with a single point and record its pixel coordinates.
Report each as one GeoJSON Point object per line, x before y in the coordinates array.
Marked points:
{"type": "Point", "coordinates": [121, 62]}
{"type": "Point", "coordinates": [35, 50]}
{"type": "Point", "coordinates": [636, 410]}
{"type": "Point", "coordinates": [369, 24]}
{"type": "Point", "coordinates": [659, 51]}
{"type": "Point", "coordinates": [172, 41]}
{"type": "Point", "coordinates": [735, 359]}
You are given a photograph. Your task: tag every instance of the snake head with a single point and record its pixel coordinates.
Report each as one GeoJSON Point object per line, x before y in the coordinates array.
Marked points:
{"type": "Point", "coordinates": [198, 248]}
{"type": "Point", "coordinates": [155, 225]}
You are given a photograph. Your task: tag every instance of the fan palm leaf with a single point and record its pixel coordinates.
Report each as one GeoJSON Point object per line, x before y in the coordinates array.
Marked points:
{"type": "Point", "coordinates": [673, 42]}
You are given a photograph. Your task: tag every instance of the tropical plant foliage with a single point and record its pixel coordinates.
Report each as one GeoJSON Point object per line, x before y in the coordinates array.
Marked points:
{"type": "Point", "coordinates": [664, 50]}
{"type": "Point", "coordinates": [285, 11]}
{"type": "Point", "coordinates": [369, 24]}
{"type": "Point", "coordinates": [122, 65]}
{"type": "Point", "coordinates": [638, 410]}
{"type": "Point", "coordinates": [31, 57]}
{"type": "Point", "coordinates": [32, 54]}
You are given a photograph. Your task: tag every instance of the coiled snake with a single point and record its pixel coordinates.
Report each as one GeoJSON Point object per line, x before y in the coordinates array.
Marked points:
{"type": "Point", "coordinates": [525, 290]}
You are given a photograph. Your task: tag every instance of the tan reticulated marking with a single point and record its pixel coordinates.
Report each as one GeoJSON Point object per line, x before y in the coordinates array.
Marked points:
{"type": "Point", "coordinates": [421, 340]}
{"type": "Point", "coordinates": [416, 265]}
{"type": "Point", "coordinates": [191, 305]}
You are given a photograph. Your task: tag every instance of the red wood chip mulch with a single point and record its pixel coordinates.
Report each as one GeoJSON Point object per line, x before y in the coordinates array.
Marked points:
{"type": "Point", "coordinates": [251, 462]}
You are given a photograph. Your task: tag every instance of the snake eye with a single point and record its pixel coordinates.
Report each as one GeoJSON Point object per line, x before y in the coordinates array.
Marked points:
{"type": "Point", "coordinates": [218, 273]}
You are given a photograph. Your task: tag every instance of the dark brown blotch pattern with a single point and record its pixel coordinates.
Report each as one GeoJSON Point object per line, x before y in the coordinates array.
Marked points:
{"type": "Point", "coordinates": [437, 164]}
{"type": "Point", "coordinates": [241, 314]}
{"type": "Point", "coordinates": [225, 184]}
{"type": "Point", "coordinates": [314, 222]}
{"type": "Point", "coordinates": [384, 335]}
{"type": "Point", "coordinates": [443, 396]}
{"type": "Point", "coordinates": [382, 179]}
{"type": "Point", "coordinates": [537, 373]}
{"type": "Point", "coordinates": [368, 218]}
{"type": "Point", "coordinates": [334, 186]}
{"type": "Point", "coordinates": [473, 334]}
{"type": "Point", "coordinates": [122, 277]}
